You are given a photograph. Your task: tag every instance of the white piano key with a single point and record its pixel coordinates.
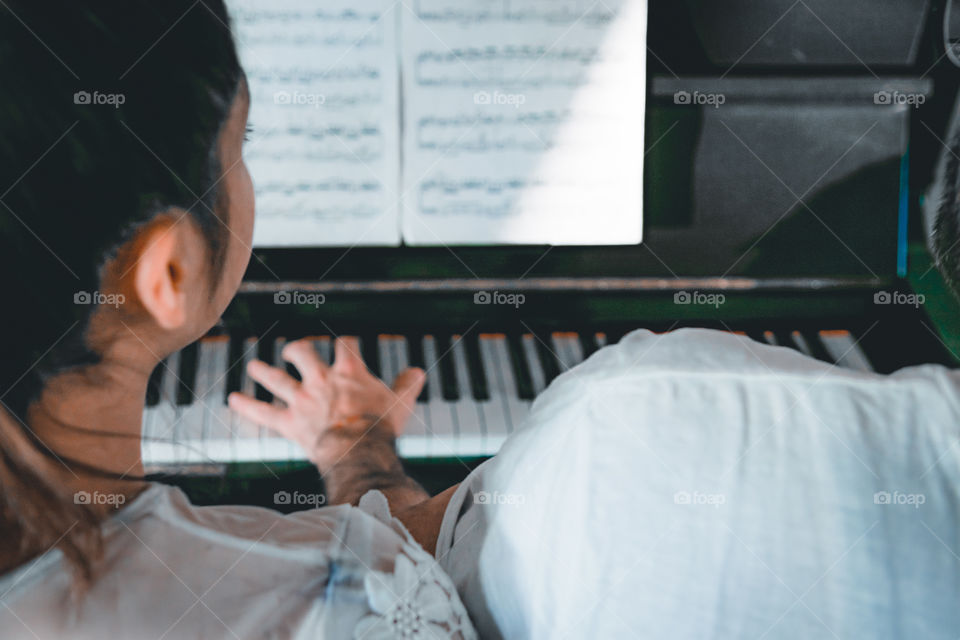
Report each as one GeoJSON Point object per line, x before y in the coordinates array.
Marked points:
{"type": "Point", "coordinates": [245, 429]}
{"type": "Point", "coordinates": [517, 409]}
{"type": "Point", "coordinates": [191, 435]}
{"type": "Point", "coordinates": [159, 421]}
{"type": "Point", "coordinates": [843, 348]}
{"type": "Point", "coordinates": [271, 438]}
{"type": "Point", "coordinates": [502, 424]}
{"type": "Point", "coordinates": [217, 417]}
{"type": "Point", "coordinates": [567, 348]}
{"type": "Point", "coordinates": [470, 416]}
{"type": "Point", "coordinates": [801, 343]}
{"type": "Point", "coordinates": [322, 345]}
{"type": "Point", "coordinates": [388, 365]}
{"type": "Point", "coordinates": [442, 428]}
{"type": "Point", "coordinates": [533, 363]}
{"type": "Point", "coordinates": [415, 440]}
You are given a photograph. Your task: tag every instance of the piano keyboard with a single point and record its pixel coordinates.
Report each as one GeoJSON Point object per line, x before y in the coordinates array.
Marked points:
{"type": "Point", "coordinates": [479, 388]}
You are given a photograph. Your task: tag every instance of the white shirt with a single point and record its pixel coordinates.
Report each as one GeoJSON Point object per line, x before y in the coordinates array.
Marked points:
{"type": "Point", "coordinates": [174, 570]}
{"type": "Point", "coordinates": [698, 484]}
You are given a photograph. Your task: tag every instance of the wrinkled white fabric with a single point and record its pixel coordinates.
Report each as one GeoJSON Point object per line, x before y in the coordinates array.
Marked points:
{"type": "Point", "coordinates": [698, 484]}
{"type": "Point", "coordinates": [175, 570]}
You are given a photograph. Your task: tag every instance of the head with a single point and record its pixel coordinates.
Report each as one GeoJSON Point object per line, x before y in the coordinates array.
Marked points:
{"type": "Point", "coordinates": [126, 211]}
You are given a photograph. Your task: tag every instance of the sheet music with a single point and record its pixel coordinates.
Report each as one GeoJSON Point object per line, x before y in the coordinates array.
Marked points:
{"type": "Point", "coordinates": [523, 121]}
{"type": "Point", "coordinates": [324, 153]}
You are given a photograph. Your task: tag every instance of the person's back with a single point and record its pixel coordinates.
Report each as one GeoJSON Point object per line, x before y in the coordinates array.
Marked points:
{"type": "Point", "coordinates": [714, 487]}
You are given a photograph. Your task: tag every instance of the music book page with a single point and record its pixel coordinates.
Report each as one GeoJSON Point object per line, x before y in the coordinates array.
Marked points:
{"type": "Point", "coordinates": [324, 152]}
{"type": "Point", "coordinates": [523, 121]}
{"type": "Point", "coordinates": [514, 122]}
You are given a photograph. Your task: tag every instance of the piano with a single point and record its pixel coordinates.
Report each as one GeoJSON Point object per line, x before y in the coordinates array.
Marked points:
{"type": "Point", "coordinates": [790, 214]}
{"type": "Point", "coordinates": [486, 363]}
{"type": "Point", "coordinates": [479, 389]}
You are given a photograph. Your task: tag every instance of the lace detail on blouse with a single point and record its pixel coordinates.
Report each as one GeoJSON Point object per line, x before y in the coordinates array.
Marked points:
{"type": "Point", "coordinates": [418, 600]}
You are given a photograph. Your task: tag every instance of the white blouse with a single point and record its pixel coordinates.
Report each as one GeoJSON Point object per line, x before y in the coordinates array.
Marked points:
{"type": "Point", "coordinates": [175, 570]}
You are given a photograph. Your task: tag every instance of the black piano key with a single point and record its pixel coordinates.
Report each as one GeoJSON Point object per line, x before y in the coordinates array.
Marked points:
{"type": "Point", "coordinates": [548, 360]}
{"type": "Point", "coordinates": [370, 351]}
{"type": "Point", "coordinates": [448, 374]}
{"type": "Point", "coordinates": [289, 366]}
{"type": "Point", "coordinates": [521, 368]}
{"type": "Point", "coordinates": [154, 384]}
{"type": "Point", "coordinates": [235, 371]}
{"type": "Point", "coordinates": [264, 353]}
{"type": "Point", "coordinates": [882, 353]}
{"type": "Point", "coordinates": [588, 343]}
{"type": "Point", "coordinates": [784, 339]}
{"type": "Point", "coordinates": [817, 348]}
{"type": "Point", "coordinates": [478, 376]}
{"type": "Point", "coordinates": [292, 370]}
{"type": "Point", "coordinates": [613, 336]}
{"type": "Point", "coordinates": [415, 359]}
{"type": "Point", "coordinates": [187, 374]}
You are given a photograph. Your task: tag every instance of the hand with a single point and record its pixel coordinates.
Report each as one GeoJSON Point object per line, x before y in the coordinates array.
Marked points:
{"type": "Point", "coordinates": [334, 406]}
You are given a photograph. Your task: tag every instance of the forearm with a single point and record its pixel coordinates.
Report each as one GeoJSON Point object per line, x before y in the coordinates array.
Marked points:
{"type": "Point", "coordinates": [369, 462]}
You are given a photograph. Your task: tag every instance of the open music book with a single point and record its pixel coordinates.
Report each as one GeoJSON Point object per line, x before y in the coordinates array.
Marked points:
{"type": "Point", "coordinates": [445, 121]}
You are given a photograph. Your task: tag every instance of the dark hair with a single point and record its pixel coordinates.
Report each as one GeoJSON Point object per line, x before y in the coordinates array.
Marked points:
{"type": "Point", "coordinates": [110, 113]}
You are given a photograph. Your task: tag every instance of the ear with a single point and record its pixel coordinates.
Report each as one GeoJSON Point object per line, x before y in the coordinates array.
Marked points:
{"type": "Point", "coordinates": [161, 273]}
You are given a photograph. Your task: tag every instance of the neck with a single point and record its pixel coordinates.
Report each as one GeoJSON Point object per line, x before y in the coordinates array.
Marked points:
{"type": "Point", "coordinates": [93, 417]}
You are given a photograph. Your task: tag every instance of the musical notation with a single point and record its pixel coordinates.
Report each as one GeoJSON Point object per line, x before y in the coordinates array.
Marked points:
{"type": "Point", "coordinates": [562, 12]}
{"type": "Point", "coordinates": [522, 120]}
{"type": "Point", "coordinates": [324, 152]}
